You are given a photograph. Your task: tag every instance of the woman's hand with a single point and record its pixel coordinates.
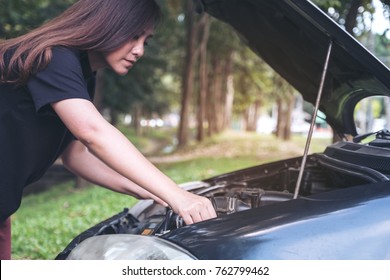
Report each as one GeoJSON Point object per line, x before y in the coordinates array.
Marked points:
{"type": "Point", "coordinates": [192, 208]}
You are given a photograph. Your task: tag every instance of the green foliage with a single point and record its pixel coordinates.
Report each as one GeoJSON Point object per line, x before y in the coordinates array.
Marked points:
{"type": "Point", "coordinates": [155, 83]}
{"type": "Point", "coordinates": [382, 48]}
{"type": "Point", "coordinates": [340, 10]}
{"type": "Point", "coordinates": [223, 40]}
{"type": "Point", "coordinates": [19, 16]}
{"type": "Point", "coordinates": [47, 222]}
{"type": "Point", "coordinates": [202, 168]}
{"type": "Point", "coordinates": [253, 80]}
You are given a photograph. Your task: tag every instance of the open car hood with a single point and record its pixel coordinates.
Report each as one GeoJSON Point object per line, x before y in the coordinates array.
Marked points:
{"type": "Point", "coordinates": [293, 37]}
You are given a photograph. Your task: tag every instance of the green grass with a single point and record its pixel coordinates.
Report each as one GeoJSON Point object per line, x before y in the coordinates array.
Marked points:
{"type": "Point", "coordinates": [47, 222]}
{"type": "Point", "coordinates": [202, 168]}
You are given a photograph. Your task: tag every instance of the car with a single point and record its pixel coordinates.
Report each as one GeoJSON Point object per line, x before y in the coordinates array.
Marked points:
{"type": "Point", "coordinates": [330, 205]}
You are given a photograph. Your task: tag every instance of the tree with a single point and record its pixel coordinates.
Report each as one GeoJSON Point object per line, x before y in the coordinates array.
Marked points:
{"type": "Point", "coordinates": [253, 87]}
{"type": "Point", "coordinates": [191, 67]}
{"type": "Point", "coordinates": [284, 93]}
{"type": "Point", "coordinates": [221, 86]}
{"type": "Point", "coordinates": [188, 74]}
{"type": "Point", "coordinates": [204, 30]}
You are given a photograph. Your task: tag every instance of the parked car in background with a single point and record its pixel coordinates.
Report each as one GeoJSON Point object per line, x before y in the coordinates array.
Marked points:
{"type": "Point", "coordinates": [330, 205]}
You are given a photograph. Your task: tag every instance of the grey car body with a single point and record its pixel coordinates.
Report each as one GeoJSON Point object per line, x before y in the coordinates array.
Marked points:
{"type": "Point", "coordinates": [341, 211]}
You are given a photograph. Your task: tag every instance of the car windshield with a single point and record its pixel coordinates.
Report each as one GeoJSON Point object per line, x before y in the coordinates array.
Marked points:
{"type": "Point", "coordinates": [372, 114]}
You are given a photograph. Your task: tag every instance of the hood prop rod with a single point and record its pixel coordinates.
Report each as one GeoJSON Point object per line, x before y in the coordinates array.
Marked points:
{"type": "Point", "coordinates": [313, 121]}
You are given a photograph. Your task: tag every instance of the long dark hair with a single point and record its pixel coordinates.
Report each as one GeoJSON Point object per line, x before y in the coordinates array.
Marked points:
{"type": "Point", "coordinates": [98, 25]}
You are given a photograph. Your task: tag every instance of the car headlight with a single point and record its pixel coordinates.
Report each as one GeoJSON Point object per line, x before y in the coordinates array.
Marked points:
{"type": "Point", "coordinates": [128, 247]}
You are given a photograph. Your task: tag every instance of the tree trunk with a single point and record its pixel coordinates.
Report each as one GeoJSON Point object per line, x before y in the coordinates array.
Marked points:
{"type": "Point", "coordinates": [350, 21]}
{"type": "Point", "coordinates": [219, 96]}
{"type": "Point", "coordinates": [99, 90]}
{"type": "Point", "coordinates": [281, 122]}
{"type": "Point", "coordinates": [114, 115]}
{"type": "Point", "coordinates": [285, 109]}
{"type": "Point", "coordinates": [252, 116]}
{"type": "Point", "coordinates": [81, 183]}
{"type": "Point", "coordinates": [229, 93]}
{"type": "Point", "coordinates": [278, 120]}
{"type": "Point", "coordinates": [213, 98]}
{"type": "Point", "coordinates": [188, 81]}
{"type": "Point", "coordinates": [289, 111]}
{"type": "Point", "coordinates": [210, 105]}
{"type": "Point", "coordinates": [203, 77]}
{"type": "Point", "coordinates": [137, 119]}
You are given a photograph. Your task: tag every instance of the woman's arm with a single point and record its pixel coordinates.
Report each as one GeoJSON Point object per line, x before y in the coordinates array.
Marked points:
{"type": "Point", "coordinates": [81, 162]}
{"type": "Point", "coordinates": [116, 151]}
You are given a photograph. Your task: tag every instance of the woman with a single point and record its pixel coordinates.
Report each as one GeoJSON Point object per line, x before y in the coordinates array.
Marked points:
{"type": "Point", "coordinates": [46, 88]}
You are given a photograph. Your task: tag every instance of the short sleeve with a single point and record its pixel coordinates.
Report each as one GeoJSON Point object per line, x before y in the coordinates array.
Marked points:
{"type": "Point", "coordinates": [62, 79]}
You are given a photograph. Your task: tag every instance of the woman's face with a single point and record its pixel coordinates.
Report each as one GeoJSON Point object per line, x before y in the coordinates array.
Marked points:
{"type": "Point", "coordinates": [123, 58]}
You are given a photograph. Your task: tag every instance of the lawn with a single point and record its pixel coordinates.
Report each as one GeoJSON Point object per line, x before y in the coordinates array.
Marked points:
{"type": "Point", "coordinates": [48, 221]}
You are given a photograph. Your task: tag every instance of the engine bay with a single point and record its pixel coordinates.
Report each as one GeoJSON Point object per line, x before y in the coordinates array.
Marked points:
{"type": "Point", "coordinates": [342, 165]}
{"type": "Point", "coordinates": [258, 187]}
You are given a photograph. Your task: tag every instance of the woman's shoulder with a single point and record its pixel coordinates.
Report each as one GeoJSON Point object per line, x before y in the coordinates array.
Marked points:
{"type": "Point", "coordinates": [66, 54]}
{"type": "Point", "coordinates": [70, 58]}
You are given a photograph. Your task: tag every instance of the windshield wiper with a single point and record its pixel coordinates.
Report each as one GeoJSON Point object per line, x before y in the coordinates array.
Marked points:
{"type": "Point", "coordinates": [382, 138]}
{"type": "Point", "coordinates": [380, 134]}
